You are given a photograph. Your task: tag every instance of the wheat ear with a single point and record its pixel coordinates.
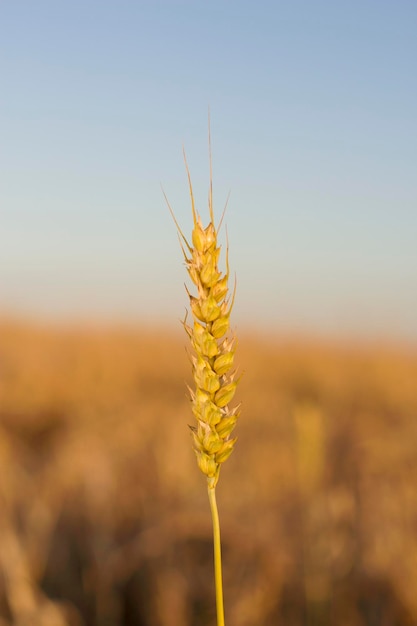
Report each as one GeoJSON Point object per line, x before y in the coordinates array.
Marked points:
{"type": "Point", "coordinates": [212, 361]}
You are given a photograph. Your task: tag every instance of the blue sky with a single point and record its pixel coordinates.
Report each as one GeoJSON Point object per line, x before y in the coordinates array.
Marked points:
{"type": "Point", "coordinates": [314, 131]}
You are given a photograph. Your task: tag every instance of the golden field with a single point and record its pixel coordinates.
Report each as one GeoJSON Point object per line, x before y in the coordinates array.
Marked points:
{"type": "Point", "coordinates": [104, 518]}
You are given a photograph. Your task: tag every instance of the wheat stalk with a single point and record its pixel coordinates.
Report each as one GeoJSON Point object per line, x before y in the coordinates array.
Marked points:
{"type": "Point", "coordinates": [212, 359]}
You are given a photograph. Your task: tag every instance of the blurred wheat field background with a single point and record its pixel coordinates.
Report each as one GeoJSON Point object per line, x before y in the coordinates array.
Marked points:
{"type": "Point", "coordinates": [104, 520]}
{"type": "Point", "coordinates": [104, 516]}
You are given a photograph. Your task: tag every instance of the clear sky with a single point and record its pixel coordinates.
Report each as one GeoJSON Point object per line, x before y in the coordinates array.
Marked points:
{"type": "Point", "coordinates": [314, 131]}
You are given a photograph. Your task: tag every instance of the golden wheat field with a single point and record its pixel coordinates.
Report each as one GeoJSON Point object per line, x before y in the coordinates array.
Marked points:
{"type": "Point", "coordinates": [104, 518]}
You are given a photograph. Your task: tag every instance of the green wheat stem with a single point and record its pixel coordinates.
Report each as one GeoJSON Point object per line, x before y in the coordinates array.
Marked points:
{"type": "Point", "coordinates": [218, 579]}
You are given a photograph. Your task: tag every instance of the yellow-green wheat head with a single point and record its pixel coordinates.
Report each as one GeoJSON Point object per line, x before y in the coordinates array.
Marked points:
{"type": "Point", "coordinates": [213, 345]}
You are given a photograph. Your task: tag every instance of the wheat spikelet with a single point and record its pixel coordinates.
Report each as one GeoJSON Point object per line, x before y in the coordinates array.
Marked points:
{"type": "Point", "coordinates": [213, 347]}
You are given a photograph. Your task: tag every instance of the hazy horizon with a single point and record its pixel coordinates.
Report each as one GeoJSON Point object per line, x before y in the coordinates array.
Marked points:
{"type": "Point", "coordinates": [313, 130]}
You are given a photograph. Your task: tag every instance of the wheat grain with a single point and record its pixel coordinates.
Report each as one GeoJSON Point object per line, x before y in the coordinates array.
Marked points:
{"type": "Point", "coordinates": [212, 360]}
{"type": "Point", "coordinates": [212, 343]}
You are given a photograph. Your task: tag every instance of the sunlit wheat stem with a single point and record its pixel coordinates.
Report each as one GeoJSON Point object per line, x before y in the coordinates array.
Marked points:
{"type": "Point", "coordinates": [218, 579]}
{"type": "Point", "coordinates": [212, 361]}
